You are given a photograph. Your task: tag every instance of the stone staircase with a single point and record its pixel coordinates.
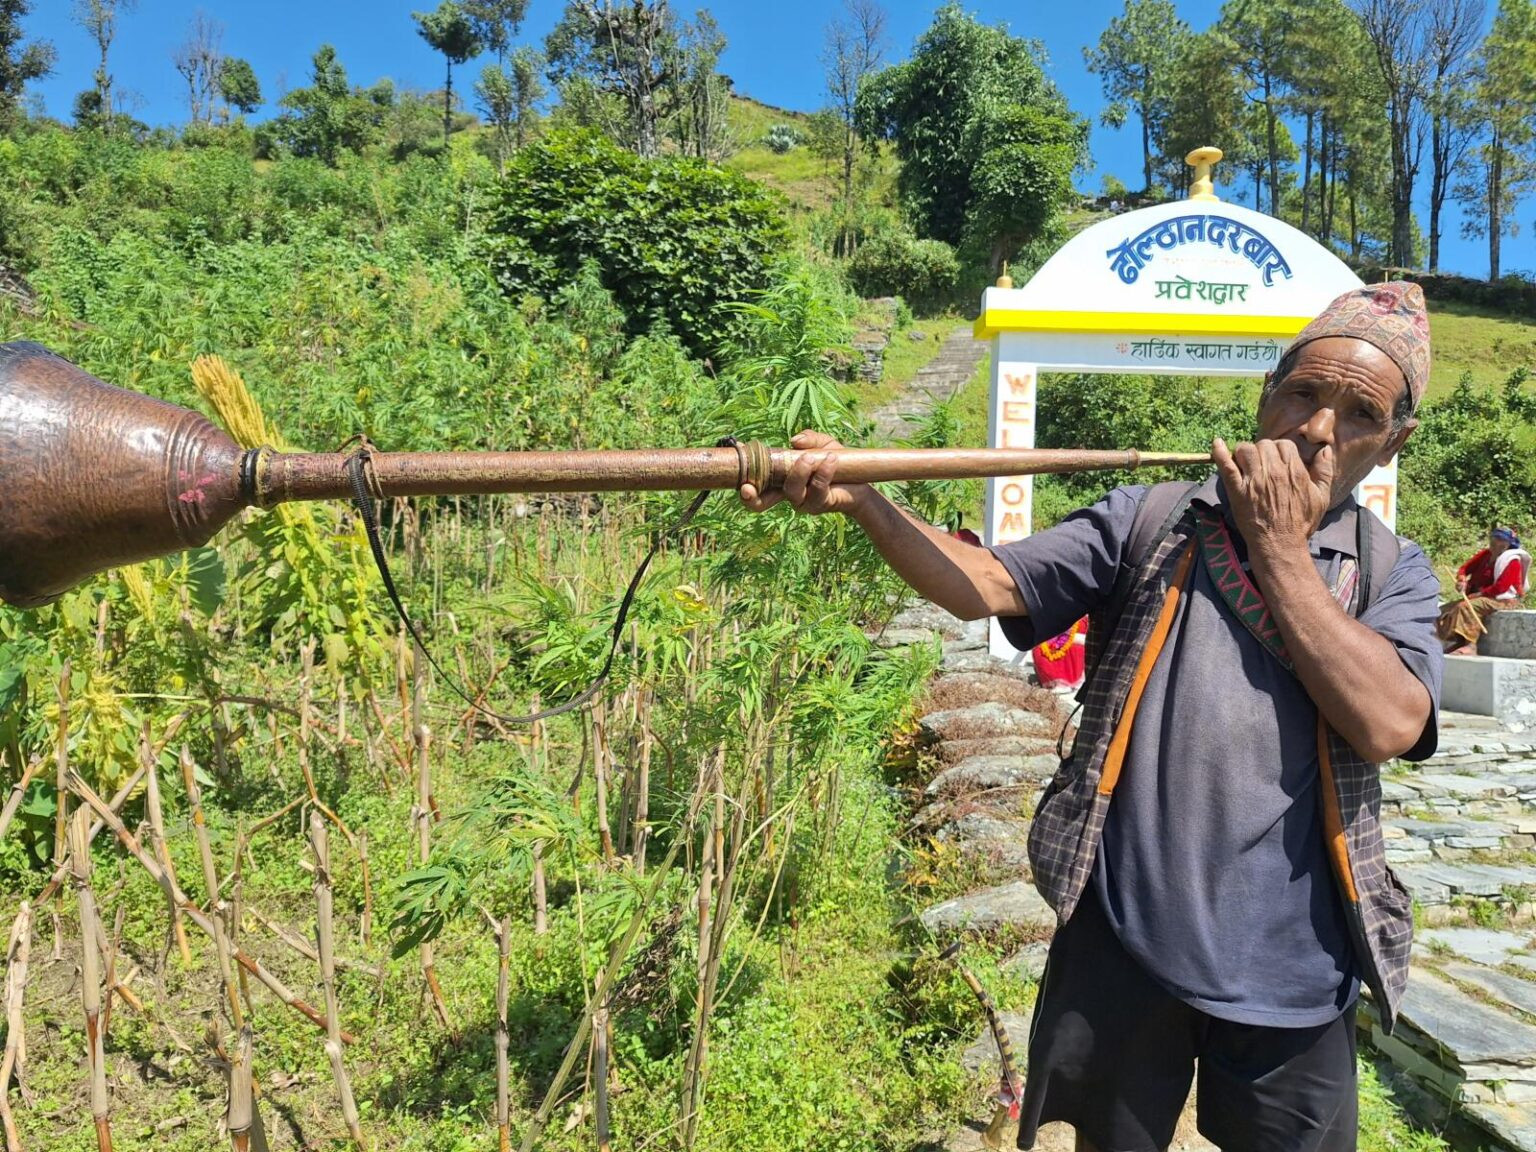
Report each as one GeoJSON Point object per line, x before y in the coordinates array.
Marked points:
{"type": "Point", "coordinates": [1461, 835]}
{"type": "Point", "coordinates": [936, 382]}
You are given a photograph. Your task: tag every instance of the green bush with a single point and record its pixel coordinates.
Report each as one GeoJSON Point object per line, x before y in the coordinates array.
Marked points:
{"type": "Point", "coordinates": [1469, 465]}
{"type": "Point", "coordinates": [674, 239]}
{"type": "Point", "coordinates": [922, 272]}
{"type": "Point", "coordinates": [781, 138]}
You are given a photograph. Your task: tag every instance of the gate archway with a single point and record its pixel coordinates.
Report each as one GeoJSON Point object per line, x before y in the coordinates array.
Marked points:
{"type": "Point", "coordinates": [1193, 287]}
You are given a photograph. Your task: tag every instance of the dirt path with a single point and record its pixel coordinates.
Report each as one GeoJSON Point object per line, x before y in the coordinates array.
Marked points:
{"type": "Point", "coordinates": [937, 380]}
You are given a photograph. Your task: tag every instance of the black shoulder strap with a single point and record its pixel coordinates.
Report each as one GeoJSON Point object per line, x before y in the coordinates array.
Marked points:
{"type": "Point", "coordinates": [1159, 510]}
{"type": "Point", "coordinates": [1378, 549]}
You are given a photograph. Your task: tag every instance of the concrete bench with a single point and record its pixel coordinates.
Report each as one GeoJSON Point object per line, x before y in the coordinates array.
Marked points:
{"type": "Point", "coordinates": [1492, 686]}
{"type": "Point", "coordinates": [1511, 635]}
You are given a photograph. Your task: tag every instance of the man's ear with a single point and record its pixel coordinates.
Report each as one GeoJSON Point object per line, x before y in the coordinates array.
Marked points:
{"type": "Point", "coordinates": [1264, 391]}
{"type": "Point", "coordinates": [1396, 441]}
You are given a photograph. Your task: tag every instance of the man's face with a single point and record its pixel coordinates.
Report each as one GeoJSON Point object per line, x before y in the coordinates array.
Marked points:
{"type": "Point", "coordinates": [1340, 391]}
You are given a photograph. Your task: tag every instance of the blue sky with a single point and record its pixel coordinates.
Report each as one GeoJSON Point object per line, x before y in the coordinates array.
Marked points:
{"type": "Point", "coordinates": [773, 56]}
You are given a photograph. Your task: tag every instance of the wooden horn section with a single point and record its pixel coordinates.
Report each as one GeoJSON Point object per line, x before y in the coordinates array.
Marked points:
{"type": "Point", "coordinates": [93, 476]}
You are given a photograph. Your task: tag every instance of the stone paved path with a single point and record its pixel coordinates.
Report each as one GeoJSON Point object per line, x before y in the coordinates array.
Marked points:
{"type": "Point", "coordinates": [1461, 835]}
{"type": "Point", "coordinates": [937, 380]}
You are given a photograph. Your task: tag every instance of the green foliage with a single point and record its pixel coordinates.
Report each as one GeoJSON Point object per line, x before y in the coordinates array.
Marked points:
{"type": "Point", "coordinates": [1179, 414]}
{"type": "Point", "coordinates": [675, 240]}
{"type": "Point", "coordinates": [1469, 466]}
{"type": "Point", "coordinates": [238, 85]}
{"type": "Point", "coordinates": [780, 379]}
{"type": "Point", "coordinates": [329, 116]}
{"type": "Point", "coordinates": [894, 263]}
{"type": "Point", "coordinates": [19, 63]}
{"type": "Point", "coordinates": [1138, 56]}
{"type": "Point", "coordinates": [781, 138]}
{"type": "Point", "coordinates": [974, 101]}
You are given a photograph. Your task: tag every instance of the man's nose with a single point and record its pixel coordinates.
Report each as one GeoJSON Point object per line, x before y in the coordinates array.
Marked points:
{"type": "Point", "coordinates": [1319, 428]}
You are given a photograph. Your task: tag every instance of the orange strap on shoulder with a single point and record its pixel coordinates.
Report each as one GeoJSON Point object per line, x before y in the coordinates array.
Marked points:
{"type": "Point", "coordinates": [1114, 759]}
{"type": "Point", "coordinates": [1333, 819]}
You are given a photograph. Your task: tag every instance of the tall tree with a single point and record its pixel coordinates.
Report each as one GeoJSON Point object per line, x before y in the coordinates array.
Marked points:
{"type": "Point", "coordinates": [19, 63]}
{"type": "Point", "coordinates": [970, 89]}
{"type": "Point", "coordinates": [1502, 168]}
{"type": "Point", "coordinates": [1454, 29]}
{"type": "Point", "coordinates": [853, 49]}
{"type": "Point", "coordinates": [1137, 56]}
{"type": "Point", "coordinates": [450, 31]}
{"type": "Point", "coordinates": [1321, 57]}
{"type": "Point", "coordinates": [496, 23]}
{"type": "Point", "coordinates": [700, 95]}
{"type": "Point", "coordinates": [1206, 106]}
{"type": "Point", "coordinates": [1257, 31]}
{"type": "Point", "coordinates": [1397, 31]}
{"type": "Point", "coordinates": [238, 85]}
{"type": "Point", "coordinates": [197, 59]}
{"type": "Point", "coordinates": [628, 52]}
{"type": "Point", "coordinates": [99, 19]}
{"type": "Point", "coordinates": [507, 94]}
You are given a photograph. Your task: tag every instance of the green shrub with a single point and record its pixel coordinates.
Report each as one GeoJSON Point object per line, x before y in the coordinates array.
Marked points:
{"type": "Point", "coordinates": [674, 239]}
{"type": "Point", "coordinates": [921, 272]}
{"type": "Point", "coordinates": [781, 138]}
{"type": "Point", "coordinates": [1469, 466]}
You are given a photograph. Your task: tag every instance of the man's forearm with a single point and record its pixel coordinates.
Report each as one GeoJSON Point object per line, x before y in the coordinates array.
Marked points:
{"type": "Point", "coordinates": [968, 581]}
{"type": "Point", "coordinates": [1353, 674]}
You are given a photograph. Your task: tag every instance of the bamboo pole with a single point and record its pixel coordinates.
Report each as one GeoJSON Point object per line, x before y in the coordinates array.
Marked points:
{"type": "Point", "coordinates": [324, 901]}
{"type": "Point", "coordinates": [240, 1114]}
{"type": "Point", "coordinates": [90, 977]}
{"type": "Point", "coordinates": [503, 1037]}
{"type": "Point", "coordinates": [60, 801]}
{"type": "Point", "coordinates": [422, 815]}
{"type": "Point", "coordinates": [18, 794]}
{"type": "Point", "coordinates": [157, 831]}
{"type": "Point", "coordinates": [17, 955]}
{"type": "Point", "coordinates": [600, 1079]}
{"type": "Point", "coordinates": [217, 909]}
{"type": "Point", "coordinates": [642, 822]}
{"type": "Point", "coordinates": [192, 911]}
{"type": "Point", "coordinates": [600, 762]}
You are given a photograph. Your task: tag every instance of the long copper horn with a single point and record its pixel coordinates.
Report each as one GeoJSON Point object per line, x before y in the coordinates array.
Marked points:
{"type": "Point", "coordinates": [93, 476]}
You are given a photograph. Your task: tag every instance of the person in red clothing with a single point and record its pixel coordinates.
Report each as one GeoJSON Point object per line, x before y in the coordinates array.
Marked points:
{"type": "Point", "coordinates": [1061, 662]}
{"type": "Point", "coordinates": [1493, 579]}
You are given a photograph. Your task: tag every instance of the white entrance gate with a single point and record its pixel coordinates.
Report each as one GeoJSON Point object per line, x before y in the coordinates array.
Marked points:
{"type": "Point", "coordinates": [1193, 287]}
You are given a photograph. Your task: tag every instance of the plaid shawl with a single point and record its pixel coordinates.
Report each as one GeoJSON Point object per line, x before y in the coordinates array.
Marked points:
{"type": "Point", "coordinates": [1064, 837]}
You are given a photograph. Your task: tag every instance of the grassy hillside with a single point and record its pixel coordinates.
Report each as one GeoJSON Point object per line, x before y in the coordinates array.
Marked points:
{"type": "Point", "coordinates": [807, 181]}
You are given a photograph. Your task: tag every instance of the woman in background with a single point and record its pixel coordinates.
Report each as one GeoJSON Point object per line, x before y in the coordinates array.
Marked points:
{"type": "Point", "coordinates": [1493, 579]}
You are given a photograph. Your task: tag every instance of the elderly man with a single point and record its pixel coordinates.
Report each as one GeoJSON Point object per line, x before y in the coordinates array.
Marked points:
{"type": "Point", "coordinates": [1266, 644]}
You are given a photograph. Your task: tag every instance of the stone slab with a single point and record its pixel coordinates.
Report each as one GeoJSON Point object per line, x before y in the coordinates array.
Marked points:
{"type": "Point", "coordinates": [1461, 879]}
{"type": "Point", "coordinates": [1465, 1029]}
{"type": "Point", "coordinates": [1511, 634]}
{"type": "Point", "coordinates": [1460, 786]}
{"type": "Point", "coordinates": [903, 637]}
{"type": "Point", "coordinates": [981, 1055]}
{"type": "Point", "coordinates": [989, 719]}
{"type": "Point", "coordinates": [974, 826]}
{"type": "Point", "coordinates": [1513, 1124]}
{"type": "Point", "coordinates": [1510, 990]}
{"type": "Point", "coordinates": [1015, 905]}
{"type": "Point", "coordinates": [1492, 686]}
{"type": "Point", "coordinates": [980, 773]}
{"type": "Point", "coordinates": [1480, 945]}
{"type": "Point", "coordinates": [1028, 962]}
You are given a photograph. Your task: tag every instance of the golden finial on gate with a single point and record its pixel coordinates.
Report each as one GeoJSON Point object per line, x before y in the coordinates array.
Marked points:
{"type": "Point", "coordinates": [1202, 160]}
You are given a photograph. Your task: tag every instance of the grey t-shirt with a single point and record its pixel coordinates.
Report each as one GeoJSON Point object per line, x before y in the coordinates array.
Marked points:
{"type": "Point", "coordinates": [1212, 868]}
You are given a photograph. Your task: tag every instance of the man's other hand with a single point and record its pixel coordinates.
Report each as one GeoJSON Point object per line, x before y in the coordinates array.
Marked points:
{"type": "Point", "coordinates": [811, 485]}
